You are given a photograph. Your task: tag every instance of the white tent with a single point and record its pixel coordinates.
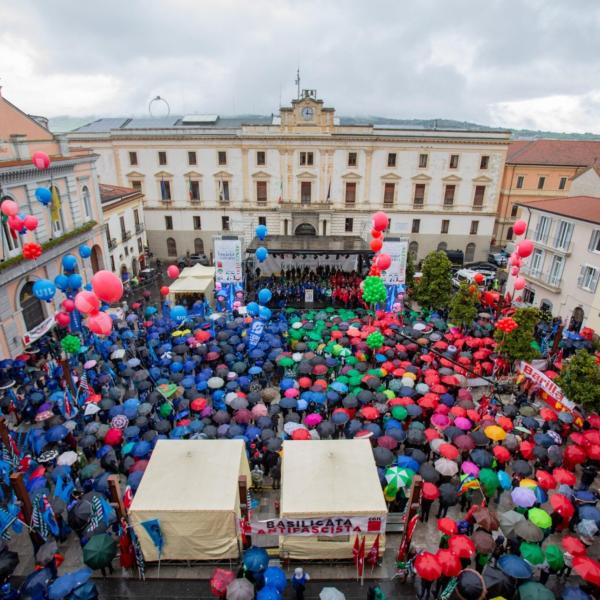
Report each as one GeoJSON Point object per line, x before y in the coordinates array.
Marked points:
{"type": "Point", "coordinates": [193, 280]}
{"type": "Point", "coordinates": [329, 478]}
{"type": "Point", "coordinates": [191, 487]}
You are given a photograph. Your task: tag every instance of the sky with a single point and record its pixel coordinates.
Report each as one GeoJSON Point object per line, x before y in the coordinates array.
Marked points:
{"type": "Point", "coordinates": [510, 63]}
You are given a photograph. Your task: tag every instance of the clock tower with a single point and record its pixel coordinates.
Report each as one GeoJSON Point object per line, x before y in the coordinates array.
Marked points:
{"type": "Point", "coordinates": [307, 114]}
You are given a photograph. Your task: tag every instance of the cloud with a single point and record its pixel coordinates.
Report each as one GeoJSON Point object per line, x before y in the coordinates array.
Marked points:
{"type": "Point", "coordinates": [496, 63]}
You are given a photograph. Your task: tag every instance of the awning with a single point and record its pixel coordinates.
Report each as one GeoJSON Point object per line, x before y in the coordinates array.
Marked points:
{"type": "Point", "coordinates": [328, 244]}
{"type": "Point", "coordinates": [193, 280]}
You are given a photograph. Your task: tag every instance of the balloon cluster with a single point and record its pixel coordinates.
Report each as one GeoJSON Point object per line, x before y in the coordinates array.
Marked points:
{"type": "Point", "coordinates": [31, 250]}
{"type": "Point", "coordinates": [373, 287]}
{"type": "Point", "coordinates": [507, 324]}
{"type": "Point", "coordinates": [261, 252]}
{"type": "Point", "coordinates": [374, 290]}
{"type": "Point", "coordinates": [375, 340]}
{"type": "Point", "coordinates": [523, 249]}
{"type": "Point", "coordinates": [18, 223]}
{"type": "Point", "coordinates": [71, 344]}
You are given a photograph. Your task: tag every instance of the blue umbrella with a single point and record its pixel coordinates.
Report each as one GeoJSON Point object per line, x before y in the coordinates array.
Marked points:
{"type": "Point", "coordinates": [179, 432]}
{"type": "Point", "coordinates": [268, 593]}
{"type": "Point", "coordinates": [141, 449]}
{"type": "Point", "coordinates": [447, 399]}
{"type": "Point", "coordinates": [589, 513]}
{"type": "Point", "coordinates": [408, 462]}
{"type": "Point", "coordinates": [134, 479]}
{"type": "Point", "coordinates": [275, 577]}
{"type": "Point", "coordinates": [133, 362]}
{"type": "Point", "coordinates": [256, 559]}
{"type": "Point", "coordinates": [505, 480]}
{"type": "Point", "coordinates": [36, 584]}
{"type": "Point", "coordinates": [413, 410]}
{"type": "Point", "coordinates": [543, 439]}
{"type": "Point", "coordinates": [255, 370]}
{"type": "Point", "coordinates": [57, 433]}
{"type": "Point", "coordinates": [515, 566]}
{"type": "Point", "coordinates": [585, 496]}
{"type": "Point", "coordinates": [340, 418]}
{"type": "Point", "coordinates": [574, 593]}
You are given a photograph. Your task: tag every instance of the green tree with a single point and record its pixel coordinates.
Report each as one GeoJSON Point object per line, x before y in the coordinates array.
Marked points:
{"type": "Point", "coordinates": [463, 306]}
{"type": "Point", "coordinates": [434, 290]}
{"type": "Point", "coordinates": [518, 344]}
{"type": "Point", "coordinates": [410, 273]}
{"type": "Point", "coordinates": [579, 379]}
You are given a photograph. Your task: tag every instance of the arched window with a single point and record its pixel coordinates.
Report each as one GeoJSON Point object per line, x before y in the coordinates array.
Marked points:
{"type": "Point", "coordinates": [87, 207]}
{"type": "Point", "coordinates": [442, 246]}
{"type": "Point", "coordinates": [413, 250]}
{"type": "Point", "coordinates": [198, 246]}
{"type": "Point", "coordinates": [470, 252]}
{"type": "Point", "coordinates": [32, 309]}
{"type": "Point", "coordinates": [171, 247]}
{"type": "Point", "coordinates": [306, 229]}
{"type": "Point", "coordinates": [58, 226]}
{"type": "Point", "coordinates": [10, 245]}
{"type": "Point", "coordinates": [509, 233]}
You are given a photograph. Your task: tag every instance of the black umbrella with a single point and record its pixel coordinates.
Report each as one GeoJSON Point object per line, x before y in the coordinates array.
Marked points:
{"type": "Point", "coordinates": [326, 429]}
{"type": "Point", "coordinates": [144, 385]}
{"type": "Point", "coordinates": [292, 417]}
{"type": "Point", "coordinates": [79, 515]}
{"type": "Point", "coordinates": [210, 431]}
{"type": "Point", "coordinates": [417, 454]}
{"type": "Point", "coordinates": [365, 396]}
{"type": "Point", "coordinates": [470, 585]}
{"type": "Point", "coordinates": [480, 438]}
{"type": "Point", "coordinates": [45, 554]}
{"type": "Point", "coordinates": [415, 437]}
{"type": "Point", "coordinates": [396, 433]}
{"type": "Point", "coordinates": [350, 402]}
{"type": "Point", "coordinates": [482, 458]}
{"type": "Point", "coordinates": [274, 444]}
{"type": "Point", "coordinates": [162, 426]}
{"type": "Point", "coordinates": [383, 456]}
{"type": "Point", "coordinates": [428, 473]}
{"type": "Point", "coordinates": [286, 402]}
{"type": "Point", "coordinates": [221, 417]}
{"type": "Point", "coordinates": [8, 563]}
{"type": "Point", "coordinates": [141, 376]}
{"type": "Point", "coordinates": [265, 434]}
{"type": "Point", "coordinates": [521, 467]}
{"type": "Point", "coordinates": [451, 432]}
{"type": "Point", "coordinates": [87, 441]}
{"type": "Point", "coordinates": [555, 454]}
{"type": "Point", "coordinates": [498, 583]}
{"type": "Point", "coordinates": [110, 462]}
{"type": "Point", "coordinates": [449, 494]}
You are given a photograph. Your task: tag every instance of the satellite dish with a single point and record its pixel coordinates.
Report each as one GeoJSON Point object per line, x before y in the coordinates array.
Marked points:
{"type": "Point", "coordinates": [159, 107]}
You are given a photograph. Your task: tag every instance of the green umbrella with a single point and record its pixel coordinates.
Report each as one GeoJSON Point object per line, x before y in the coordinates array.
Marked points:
{"type": "Point", "coordinates": [90, 471]}
{"type": "Point", "coordinates": [532, 553]}
{"type": "Point", "coordinates": [99, 551]}
{"type": "Point", "coordinates": [489, 481]}
{"type": "Point", "coordinates": [165, 409]}
{"type": "Point", "coordinates": [533, 590]}
{"type": "Point", "coordinates": [286, 361]}
{"type": "Point", "coordinates": [554, 557]}
{"type": "Point", "coordinates": [399, 412]}
{"type": "Point", "coordinates": [351, 360]}
{"type": "Point", "coordinates": [400, 476]}
{"type": "Point", "coordinates": [540, 518]}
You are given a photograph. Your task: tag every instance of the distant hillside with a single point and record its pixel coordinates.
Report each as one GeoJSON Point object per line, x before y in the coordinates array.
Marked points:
{"type": "Point", "coordinates": [64, 123]}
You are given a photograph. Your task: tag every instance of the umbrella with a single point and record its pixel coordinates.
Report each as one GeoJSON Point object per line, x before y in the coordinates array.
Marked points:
{"type": "Point", "coordinates": [587, 568]}
{"type": "Point", "coordinates": [540, 518]}
{"type": "Point", "coordinates": [383, 456]}
{"type": "Point", "coordinates": [449, 494]}
{"type": "Point", "coordinates": [470, 585]}
{"type": "Point", "coordinates": [447, 525]}
{"type": "Point", "coordinates": [523, 497]}
{"type": "Point", "coordinates": [446, 467]}
{"type": "Point", "coordinates": [67, 458]}
{"type": "Point", "coordinates": [99, 551]}
{"type": "Point", "coordinates": [574, 593]}
{"type": "Point", "coordinates": [449, 562]}
{"type": "Point", "coordinates": [484, 542]}
{"type": "Point", "coordinates": [528, 531]}
{"type": "Point", "coordinates": [515, 566]}
{"type": "Point", "coordinates": [509, 519]}
{"type": "Point", "coordinates": [486, 519]}
{"type": "Point", "coordinates": [554, 557]}
{"type": "Point", "coordinates": [427, 566]}
{"type": "Point", "coordinates": [275, 577]}
{"type": "Point", "coordinates": [331, 593]}
{"type": "Point", "coordinates": [8, 563]}
{"type": "Point", "coordinates": [240, 589]}
{"type": "Point", "coordinates": [533, 590]}
{"type": "Point", "coordinates": [219, 581]}
{"type": "Point", "coordinates": [46, 553]}
{"type": "Point", "coordinates": [36, 584]}
{"type": "Point", "coordinates": [462, 546]}
{"type": "Point", "coordinates": [497, 583]}
{"type": "Point", "coordinates": [256, 559]}
{"type": "Point", "coordinates": [573, 545]}
{"type": "Point", "coordinates": [521, 467]}
{"type": "Point", "coordinates": [532, 553]}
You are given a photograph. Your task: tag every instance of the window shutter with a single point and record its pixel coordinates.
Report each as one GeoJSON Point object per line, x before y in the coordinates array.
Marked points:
{"type": "Point", "coordinates": [581, 275]}
{"type": "Point", "coordinates": [594, 282]}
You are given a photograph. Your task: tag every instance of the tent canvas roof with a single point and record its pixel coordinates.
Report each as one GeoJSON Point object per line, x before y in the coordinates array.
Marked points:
{"type": "Point", "coordinates": [192, 475]}
{"type": "Point", "coordinates": [330, 477]}
{"type": "Point", "coordinates": [193, 279]}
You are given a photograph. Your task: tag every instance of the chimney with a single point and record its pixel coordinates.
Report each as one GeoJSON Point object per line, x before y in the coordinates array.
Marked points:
{"type": "Point", "coordinates": [20, 146]}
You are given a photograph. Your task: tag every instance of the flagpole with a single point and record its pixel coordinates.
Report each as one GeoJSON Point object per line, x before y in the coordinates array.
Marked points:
{"type": "Point", "coordinates": [362, 571]}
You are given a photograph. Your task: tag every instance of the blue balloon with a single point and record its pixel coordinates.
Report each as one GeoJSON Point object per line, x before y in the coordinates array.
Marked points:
{"type": "Point", "coordinates": [69, 262]}
{"type": "Point", "coordinates": [261, 253]}
{"type": "Point", "coordinates": [264, 296]}
{"type": "Point", "coordinates": [261, 232]}
{"type": "Point", "coordinates": [88, 287]}
{"type": "Point", "coordinates": [179, 313]}
{"type": "Point", "coordinates": [44, 289]}
{"type": "Point", "coordinates": [44, 195]}
{"type": "Point", "coordinates": [252, 308]}
{"type": "Point", "coordinates": [75, 281]}
{"type": "Point", "coordinates": [85, 251]}
{"type": "Point", "coordinates": [264, 313]}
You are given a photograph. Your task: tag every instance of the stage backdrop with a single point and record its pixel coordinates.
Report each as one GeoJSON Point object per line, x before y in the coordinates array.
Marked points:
{"type": "Point", "coordinates": [274, 266]}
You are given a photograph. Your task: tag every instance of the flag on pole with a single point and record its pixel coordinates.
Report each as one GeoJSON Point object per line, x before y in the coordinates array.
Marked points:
{"type": "Point", "coordinates": [55, 205]}
{"type": "Point", "coordinates": [355, 551]}
{"type": "Point", "coordinates": [280, 199]}
{"type": "Point", "coordinates": [373, 555]}
{"type": "Point", "coordinates": [221, 191]}
{"type": "Point", "coordinates": [361, 557]}
{"type": "Point", "coordinates": [83, 387]}
{"type": "Point", "coordinates": [127, 497]}
{"type": "Point", "coordinates": [329, 192]}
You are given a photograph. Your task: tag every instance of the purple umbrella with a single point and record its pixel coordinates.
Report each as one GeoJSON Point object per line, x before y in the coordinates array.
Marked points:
{"type": "Point", "coordinates": [463, 423]}
{"type": "Point", "coordinates": [440, 420]}
{"type": "Point", "coordinates": [523, 497]}
{"type": "Point", "coordinates": [470, 468]}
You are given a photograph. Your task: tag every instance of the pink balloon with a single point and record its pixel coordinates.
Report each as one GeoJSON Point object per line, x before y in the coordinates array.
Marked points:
{"type": "Point", "coordinates": [514, 260]}
{"type": "Point", "coordinates": [107, 286]}
{"type": "Point", "coordinates": [87, 303]}
{"type": "Point", "coordinates": [9, 208]}
{"type": "Point", "coordinates": [41, 160]}
{"type": "Point", "coordinates": [68, 305]}
{"type": "Point", "coordinates": [525, 248]}
{"type": "Point", "coordinates": [519, 283]}
{"type": "Point", "coordinates": [62, 318]}
{"type": "Point", "coordinates": [514, 271]}
{"type": "Point", "coordinates": [30, 222]}
{"type": "Point", "coordinates": [380, 221]}
{"type": "Point", "coordinates": [100, 323]}
{"type": "Point", "coordinates": [173, 272]}
{"type": "Point", "coordinates": [15, 222]}
{"type": "Point", "coordinates": [383, 261]}
{"type": "Point", "coordinates": [520, 227]}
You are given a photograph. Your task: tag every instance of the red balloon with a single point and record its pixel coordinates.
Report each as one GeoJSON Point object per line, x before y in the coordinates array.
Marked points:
{"type": "Point", "coordinates": [375, 233]}
{"type": "Point", "coordinates": [31, 251]}
{"type": "Point", "coordinates": [514, 271]}
{"type": "Point", "coordinates": [15, 222]}
{"type": "Point", "coordinates": [41, 160]}
{"type": "Point", "coordinates": [173, 272]}
{"type": "Point", "coordinates": [383, 261]}
{"type": "Point", "coordinates": [519, 283]}
{"type": "Point", "coordinates": [100, 323]}
{"type": "Point", "coordinates": [30, 222]}
{"type": "Point", "coordinates": [519, 227]}
{"type": "Point", "coordinates": [380, 221]}
{"type": "Point", "coordinates": [87, 303]}
{"type": "Point", "coordinates": [68, 305]}
{"type": "Point", "coordinates": [107, 286]}
{"type": "Point", "coordinates": [62, 318]}
{"type": "Point", "coordinates": [515, 260]}
{"type": "Point", "coordinates": [376, 244]}
{"type": "Point", "coordinates": [524, 248]}
{"type": "Point", "coordinates": [9, 208]}
{"type": "Point", "coordinates": [478, 278]}
{"type": "Point", "coordinates": [164, 290]}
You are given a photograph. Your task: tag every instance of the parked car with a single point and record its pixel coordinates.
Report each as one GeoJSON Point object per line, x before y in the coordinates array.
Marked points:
{"type": "Point", "coordinates": [193, 259]}
{"type": "Point", "coordinates": [498, 258]}
{"type": "Point", "coordinates": [469, 274]}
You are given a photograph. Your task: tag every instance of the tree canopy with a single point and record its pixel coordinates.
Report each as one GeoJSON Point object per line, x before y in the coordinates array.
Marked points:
{"type": "Point", "coordinates": [463, 306]}
{"type": "Point", "coordinates": [434, 290]}
{"type": "Point", "coordinates": [579, 379]}
{"type": "Point", "coordinates": [519, 344]}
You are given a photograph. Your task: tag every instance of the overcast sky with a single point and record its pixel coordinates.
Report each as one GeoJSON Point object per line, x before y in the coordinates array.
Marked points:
{"type": "Point", "coordinates": [512, 63]}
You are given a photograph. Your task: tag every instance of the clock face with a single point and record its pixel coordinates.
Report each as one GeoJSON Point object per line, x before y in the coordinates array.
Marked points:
{"type": "Point", "coordinates": [307, 113]}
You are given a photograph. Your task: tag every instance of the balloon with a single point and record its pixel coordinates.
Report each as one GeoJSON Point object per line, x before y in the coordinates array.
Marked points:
{"type": "Point", "coordinates": [85, 251]}
{"type": "Point", "coordinates": [515, 260]}
{"type": "Point", "coordinates": [41, 160]}
{"type": "Point", "coordinates": [30, 222]}
{"type": "Point", "coordinates": [524, 248]}
{"type": "Point", "coordinates": [15, 222]}
{"type": "Point", "coordinates": [375, 340]}
{"type": "Point", "coordinates": [69, 262]}
{"type": "Point", "coordinates": [44, 289]}
{"type": "Point", "coordinates": [9, 208]}
{"type": "Point", "coordinates": [264, 296]}
{"type": "Point", "coordinates": [261, 232]}
{"type": "Point", "coordinates": [62, 282]}
{"type": "Point", "coordinates": [44, 195]}
{"type": "Point", "coordinates": [75, 281]}
{"type": "Point", "coordinates": [31, 250]}
{"type": "Point", "coordinates": [478, 278]}
{"type": "Point", "coordinates": [62, 318]}
{"type": "Point", "coordinates": [264, 313]}
{"type": "Point", "coordinates": [380, 221]}
{"type": "Point", "coordinates": [376, 234]}
{"type": "Point", "coordinates": [519, 227]}
{"type": "Point", "coordinates": [173, 272]}
{"type": "Point", "coordinates": [87, 302]}
{"type": "Point", "coordinates": [252, 308]}
{"type": "Point", "coordinates": [67, 303]}
{"type": "Point", "coordinates": [514, 271]}
{"type": "Point", "coordinates": [107, 286]}
{"type": "Point", "coordinates": [519, 283]}
{"type": "Point", "coordinates": [179, 313]}
{"type": "Point", "coordinates": [261, 253]}
{"type": "Point", "coordinates": [383, 261]}
{"type": "Point", "coordinates": [374, 290]}
{"type": "Point", "coordinates": [164, 290]}
{"type": "Point", "coordinates": [71, 344]}
{"type": "Point", "coordinates": [100, 323]}
{"type": "Point", "coordinates": [376, 244]}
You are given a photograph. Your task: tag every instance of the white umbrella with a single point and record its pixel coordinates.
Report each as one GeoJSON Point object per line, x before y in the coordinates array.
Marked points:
{"type": "Point", "coordinates": [118, 354]}
{"type": "Point", "coordinates": [67, 458]}
{"type": "Point", "coordinates": [331, 593]}
{"type": "Point", "coordinates": [290, 427]}
{"type": "Point", "coordinates": [91, 409]}
{"type": "Point", "coordinates": [446, 467]}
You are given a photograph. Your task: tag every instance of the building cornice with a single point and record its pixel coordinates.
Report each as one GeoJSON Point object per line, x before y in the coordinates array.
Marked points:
{"type": "Point", "coordinates": [16, 173]}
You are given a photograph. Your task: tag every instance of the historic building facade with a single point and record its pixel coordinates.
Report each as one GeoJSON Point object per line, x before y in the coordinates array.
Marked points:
{"type": "Point", "coordinates": [303, 171]}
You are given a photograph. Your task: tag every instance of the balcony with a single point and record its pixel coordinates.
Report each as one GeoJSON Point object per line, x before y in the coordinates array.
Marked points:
{"type": "Point", "coordinates": [261, 202]}
{"type": "Point", "coordinates": [194, 200]}
{"type": "Point", "coordinates": [477, 207]}
{"type": "Point", "coordinates": [448, 206]}
{"type": "Point", "coordinates": [418, 205]}
{"type": "Point", "coordinates": [125, 236]}
{"type": "Point", "coordinates": [556, 246]}
{"type": "Point", "coordinates": [139, 227]}
{"type": "Point", "coordinates": [550, 281]}
{"type": "Point", "coordinates": [311, 206]}
{"type": "Point", "coordinates": [112, 243]}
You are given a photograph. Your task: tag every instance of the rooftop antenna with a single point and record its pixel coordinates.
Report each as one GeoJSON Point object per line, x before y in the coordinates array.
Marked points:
{"type": "Point", "coordinates": [158, 100]}
{"type": "Point", "coordinates": [297, 82]}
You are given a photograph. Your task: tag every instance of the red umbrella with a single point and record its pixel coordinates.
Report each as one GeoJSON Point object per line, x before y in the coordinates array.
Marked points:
{"type": "Point", "coordinates": [430, 491]}
{"type": "Point", "coordinates": [447, 525]}
{"type": "Point", "coordinates": [594, 421]}
{"type": "Point", "coordinates": [573, 545]}
{"type": "Point", "coordinates": [301, 434]}
{"type": "Point", "coordinates": [113, 437]}
{"type": "Point", "coordinates": [140, 465]}
{"type": "Point", "coordinates": [450, 380]}
{"type": "Point", "coordinates": [526, 449]}
{"type": "Point", "coordinates": [198, 404]}
{"type": "Point", "coordinates": [448, 451]}
{"type": "Point", "coordinates": [432, 434]}
{"type": "Point", "coordinates": [386, 441]}
{"type": "Point", "coordinates": [427, 566]}
{"type": "Point", "coordinates": [501, 453]}
{"type": "Point", "coordinates": [319, 369]}
{"type": "Point", "coordinates": [505, 423]}
{"type": "Point", "coordinates": [449, 562]}
{"type": "Point", "coordinates": [593, 452]}
{"type": "Point", "coordinates": [592, 436]}
{"type": "Point", "coordinates": [473, 415]}
{"type": "Point", "coordinates": [458, 411]}
{"type": "Point", "coordinates": [438, 389]}
{"type": "Point", "coordinates": [220, 580]}
{"type": "Point", "coordinates": [242, 416]}
{"type": "Point", "coordinates": [574, 455]}
{"type": "Point", "coordinates": [369, 412]}
{"type": "Point", "coordinates": [577, 438]}
{"type": "Point", "coordinates": [562, 505]}
{"type": "Point", "coordinates": [427, 402]}
{"type": "Point", "coordinates": [587, 568]}
{"type": "Point", "coordinates": [563, 476]}
{"type": "Point", "coordinates": [548, 415]}
{"type": "Point", "coordinates": [546, 481]}
{"type": "Point", "coordinates": [462, 546]}
{"type": "Point", "coordinates": [305, 382]}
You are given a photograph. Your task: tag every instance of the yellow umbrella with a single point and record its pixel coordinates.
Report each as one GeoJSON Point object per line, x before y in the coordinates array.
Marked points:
{"type": "Point", "coordinates": [409, 375]}
{"type": "Point", "coordinates": [494, 432]}
{"type": "Point", "coordinates": [530, 483]}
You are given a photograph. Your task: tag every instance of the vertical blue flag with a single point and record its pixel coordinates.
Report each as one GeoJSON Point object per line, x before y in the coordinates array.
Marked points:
{"type": "Point", "coordinates": [153, 528]}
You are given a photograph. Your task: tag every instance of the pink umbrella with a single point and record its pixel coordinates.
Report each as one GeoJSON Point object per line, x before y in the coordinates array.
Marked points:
{"type": "Point", "coordinates": [440, 420]}
{"type": "Point", "coordinates": [464, 394]}
{"type": "Point", "coordinates": [463, 423]}
{"type": "Point", "coordinates": [312, 420]}
{"type": "Point", "coordinates": [259, 410]}
{"type": "Point", "coordinates": [386, 441]}
{"type": "Point", "coordinates": [290, 393]}
{"type": "Point", "coordinates": [470, 468]}
{"type": "Point", "coordinates": [243, 416]}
